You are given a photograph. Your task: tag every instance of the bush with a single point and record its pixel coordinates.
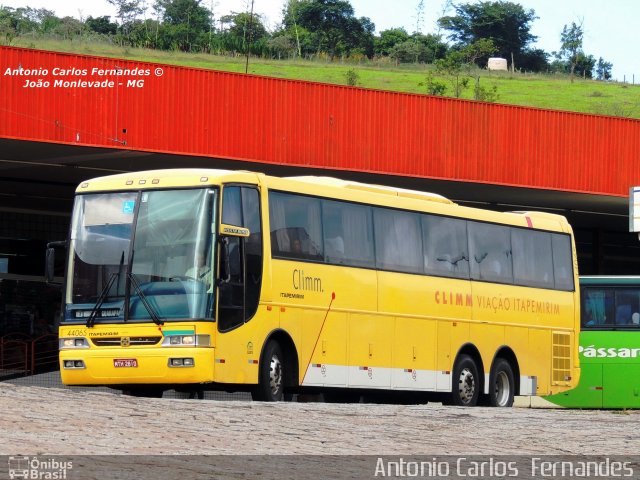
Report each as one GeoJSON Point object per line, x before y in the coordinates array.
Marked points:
{"type": "Point", "coordinates": [352, 77]}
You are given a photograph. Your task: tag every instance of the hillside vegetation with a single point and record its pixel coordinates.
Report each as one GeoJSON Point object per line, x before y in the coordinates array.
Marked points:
{"type": "Point", "coordinates": [551, 91]}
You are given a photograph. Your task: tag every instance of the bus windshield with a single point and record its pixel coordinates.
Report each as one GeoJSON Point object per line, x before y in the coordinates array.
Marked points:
{"type": "Point", "coordinates": [132, 252]}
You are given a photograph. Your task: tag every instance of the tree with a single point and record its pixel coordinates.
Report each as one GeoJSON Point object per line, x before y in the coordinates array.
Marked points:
{"type": "Point", "coordinates": [69, 27]}
{"type": "Point", "coordinates": [585, 65]}
{"type": "Point", "coordinates": [282, 46]}
{"type": "Point", "coordinates": [7, 26]}
{"type": "Point", "coordinates": [127, 12]}
{"type": "Point", "coordinates": [419, 49]}
{"type": "Point", "coordinates": [571, 46]}
{"type": "Point", "coordinates": [534, 59]}
{"type": "Point", "coordinates": [389, 39]}
{"type": "Point", "coordinates": [245, 30]}
{"type": "Point", "coordinates": [506, 24]}
{"type": "Point", "coordinates": [419, 16]}
{"type": "Point", "coordinates": [101, 25]}
{"type": "Point", "coordinates": [456, 66]}
{"type": "Point", "coordinates": [186, 24]}
{"type": "Point", "coordinates": [603, 69]}
{"type": "Point", "coordinates": [330, 25]}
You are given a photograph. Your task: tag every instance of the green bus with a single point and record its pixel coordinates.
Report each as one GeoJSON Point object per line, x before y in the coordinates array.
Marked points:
{"type": "Point", "coordinates": [609, 345]}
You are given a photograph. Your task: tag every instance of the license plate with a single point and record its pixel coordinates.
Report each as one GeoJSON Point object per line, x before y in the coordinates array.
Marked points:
{"type": "Point", "coordinates": [125, 362]}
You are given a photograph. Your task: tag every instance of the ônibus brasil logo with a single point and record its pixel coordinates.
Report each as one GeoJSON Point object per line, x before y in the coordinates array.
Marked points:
{"type": "Point", "coordinates": [592, 351]}
{"type": "Point", "coordinates": [38, 468]}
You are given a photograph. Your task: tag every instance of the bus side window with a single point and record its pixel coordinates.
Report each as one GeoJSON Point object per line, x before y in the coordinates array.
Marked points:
{"type": "Point", "coordinates": [626, 304]}
{"type": "Point", "coordinates": [445, 246]}
{"type": "Point", "coordinates": [348, 234]}
{"type": "Point", "coordinates": [398, 240]}
{"type": "Point", "coordinates": [562, 261]}
{"type": "Point", "coordinates": [598, 306]}
{"type": "Point", "coordinates": [296, 226]}
{"type": "Point", "coordinates": [490, 252]}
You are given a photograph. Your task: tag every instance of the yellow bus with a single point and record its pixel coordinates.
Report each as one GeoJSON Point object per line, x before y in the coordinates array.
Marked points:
{"type": "Point", "coordinates": [239, 281]}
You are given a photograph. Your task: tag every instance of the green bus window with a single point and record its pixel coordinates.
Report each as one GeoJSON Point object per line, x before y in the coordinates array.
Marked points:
{"type": "Point", "coordinates": [598, 307]}
{"type": "Point", "coordinates": [627, 306]}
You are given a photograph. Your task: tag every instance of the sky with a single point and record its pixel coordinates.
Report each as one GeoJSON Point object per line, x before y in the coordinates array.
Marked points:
{"type": "Point", "coordinates": [610, 26]}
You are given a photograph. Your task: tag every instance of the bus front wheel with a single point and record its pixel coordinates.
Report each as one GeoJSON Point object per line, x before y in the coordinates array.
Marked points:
{"type": "Point", "coordinates": [465, 383]}
{"type": "Point", "coordinates": [270, 386]}
{"type": "Point", "coordinates": [501, 384]}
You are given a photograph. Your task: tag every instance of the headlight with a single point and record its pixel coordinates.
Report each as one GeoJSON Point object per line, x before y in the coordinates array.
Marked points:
{"type": "Point", "coordinates": [76, 342]}
{"type": "Point", "coordinates": [186, 341]}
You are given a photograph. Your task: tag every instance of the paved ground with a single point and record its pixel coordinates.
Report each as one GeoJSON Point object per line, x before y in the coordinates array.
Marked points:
{"type": "Point", "coordinates": [45, 421]}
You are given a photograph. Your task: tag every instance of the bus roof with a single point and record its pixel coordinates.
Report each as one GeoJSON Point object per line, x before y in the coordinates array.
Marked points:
{"type": "Point", "coordinates": [321, 186]}
{"type": "Point", "coordinates": [372, 188]}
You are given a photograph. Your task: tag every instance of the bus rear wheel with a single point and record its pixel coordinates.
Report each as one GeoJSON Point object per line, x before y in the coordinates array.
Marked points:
{"type": "Point", "coordinates": [270, 386]}
{"type": "Point", "coordinates": [465, 389]}
{"type": "Point", "coordinates": [501, 384]}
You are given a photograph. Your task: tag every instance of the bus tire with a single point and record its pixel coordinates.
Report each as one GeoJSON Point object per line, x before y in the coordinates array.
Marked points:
{"type": "Point", "coordinates": [270, 386]}
{"type": "Point", "coordinates": [465, 388]}
{"type": "Point", "coordinates": [501, 384]}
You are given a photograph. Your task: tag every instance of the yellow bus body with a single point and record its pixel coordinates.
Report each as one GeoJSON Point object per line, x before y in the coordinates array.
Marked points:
{"type": "Point", "coordinates": [352, 327]}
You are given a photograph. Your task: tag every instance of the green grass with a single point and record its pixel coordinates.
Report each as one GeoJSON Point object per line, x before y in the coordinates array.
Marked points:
{"type": "Point", "coordinates": [534, 90]}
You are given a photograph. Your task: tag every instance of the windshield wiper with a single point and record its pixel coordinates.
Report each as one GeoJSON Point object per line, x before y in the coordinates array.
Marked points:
{"type": "Point", "coordinates": [103, 296]}
{"type": "Point", "coordinates": [152, 312]}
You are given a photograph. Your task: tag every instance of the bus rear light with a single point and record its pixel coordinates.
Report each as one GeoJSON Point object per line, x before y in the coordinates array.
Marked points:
{"type": "Point", "coordinates": [73, 364]}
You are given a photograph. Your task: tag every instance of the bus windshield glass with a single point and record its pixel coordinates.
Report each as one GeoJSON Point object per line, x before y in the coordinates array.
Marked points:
{"type": "Point", "coordinates": [133, 252]}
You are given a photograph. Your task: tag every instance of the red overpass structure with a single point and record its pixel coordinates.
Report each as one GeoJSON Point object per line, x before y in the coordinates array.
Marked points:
{"type": "Point", "coordinates": [65, 118]}
{"type": "Point", "coordinates": [187, 111]}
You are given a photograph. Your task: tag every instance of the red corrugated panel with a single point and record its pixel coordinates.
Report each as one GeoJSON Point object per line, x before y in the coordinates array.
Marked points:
{"type": "Point", "coordinates": [245, 117]}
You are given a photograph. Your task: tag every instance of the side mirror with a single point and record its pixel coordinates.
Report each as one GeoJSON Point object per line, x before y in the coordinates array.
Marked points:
{"type": "Point", "coordinates": [225, 263]}
{"type": "Point", "coordinates": [50, 260]}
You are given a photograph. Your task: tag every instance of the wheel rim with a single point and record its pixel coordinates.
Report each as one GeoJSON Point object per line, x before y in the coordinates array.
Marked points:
{"type": "Point", "coordinates": [275, 375]}
{"type": "Point", "coordinates": [466, 386]}
{"type": "Point", "coordinates": [502, 389]}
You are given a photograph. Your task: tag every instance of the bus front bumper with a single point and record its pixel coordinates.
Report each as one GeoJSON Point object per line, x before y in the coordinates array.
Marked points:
{"type": "Point", "coordinates": [137, 366]}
